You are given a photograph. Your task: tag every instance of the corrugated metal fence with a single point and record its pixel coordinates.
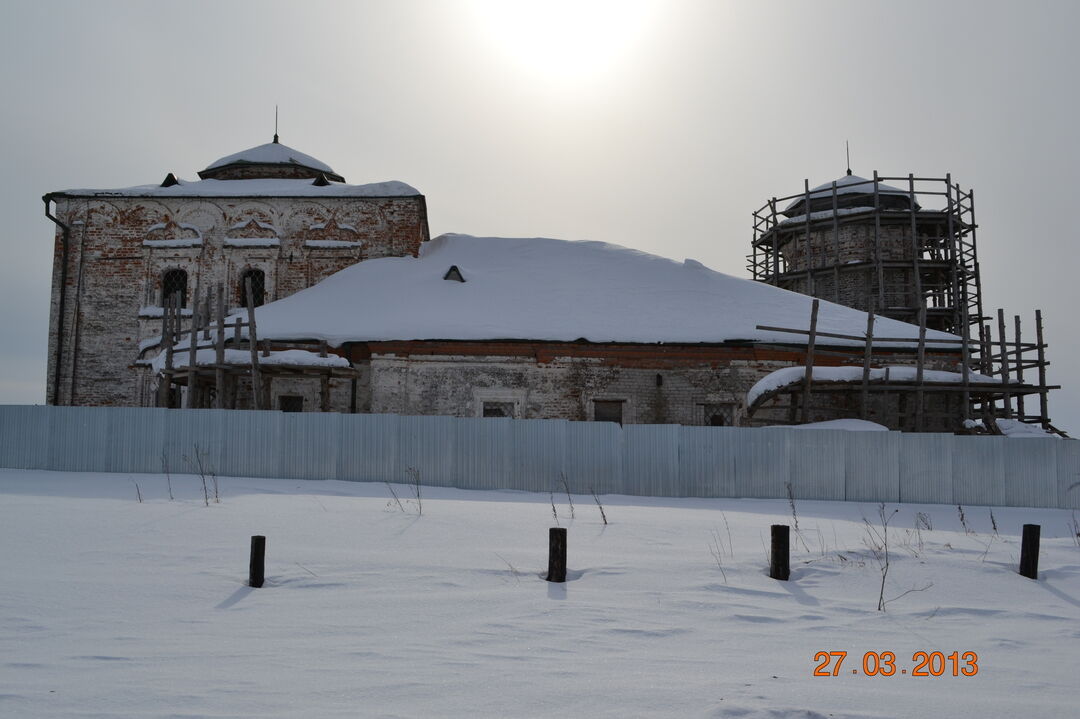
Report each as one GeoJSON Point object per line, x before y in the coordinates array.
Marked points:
{"type": "Point", "coordinates": [533, 455]}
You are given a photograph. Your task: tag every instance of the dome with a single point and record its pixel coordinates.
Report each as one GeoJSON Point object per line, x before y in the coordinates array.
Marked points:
{"type": "Point", "coordinates": [851, 191]}
{"type": "Point", "coordinates": [272, 160]}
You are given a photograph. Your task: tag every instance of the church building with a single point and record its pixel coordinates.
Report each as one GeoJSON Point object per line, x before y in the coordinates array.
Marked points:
{"type": "Point", "coordinates": [271, 283]}
{"type": "Point", "coordinates": [270, 215]}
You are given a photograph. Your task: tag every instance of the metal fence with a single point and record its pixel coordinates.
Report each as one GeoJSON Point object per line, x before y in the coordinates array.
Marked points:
{"type": "Point", "coordinates": [534, 455]}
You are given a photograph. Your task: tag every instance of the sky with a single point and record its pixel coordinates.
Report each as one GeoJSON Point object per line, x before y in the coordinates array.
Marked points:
{"type": "Point", "coordinates": [659, 126]}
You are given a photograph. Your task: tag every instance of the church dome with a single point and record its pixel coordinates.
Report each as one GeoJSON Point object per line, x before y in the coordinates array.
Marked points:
{"type": "Point", "coordinates": [272, 160]}
{"type": "Point", "coordinates": [851, 191]}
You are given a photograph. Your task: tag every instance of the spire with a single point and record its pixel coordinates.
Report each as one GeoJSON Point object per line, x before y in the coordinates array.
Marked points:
{"type": "Point", "coordinates": [275, 130]}
{"type": "Point", "coordinates": [847, 149]}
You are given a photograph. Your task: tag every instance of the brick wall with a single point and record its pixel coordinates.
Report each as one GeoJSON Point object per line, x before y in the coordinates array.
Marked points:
{"type": "Point", "coordinates": [119, 249]}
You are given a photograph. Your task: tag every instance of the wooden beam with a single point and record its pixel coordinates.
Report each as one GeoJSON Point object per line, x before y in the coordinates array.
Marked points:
{"type": "Point", "coordinates": [253, 338]}
{"type": "Point", "coordinates": [809, 374]}
{"type": "Point", "coordinates": [865, 411]}
{"type": "Point", "coordinates": [1044, 413]}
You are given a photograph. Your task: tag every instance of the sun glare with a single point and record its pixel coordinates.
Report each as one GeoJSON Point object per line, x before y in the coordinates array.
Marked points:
{"type": "Point", "coordinates": [563, 38]}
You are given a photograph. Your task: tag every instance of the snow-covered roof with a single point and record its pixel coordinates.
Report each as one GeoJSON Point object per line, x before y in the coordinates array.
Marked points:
{"type": "Point", "coordinates": [787, 376]}
{"type": "Point", "coordinates": [552, 290]}
{"type": "Point", "coordinates": [845, 185]}
{"type": "Point", "coordinates": [272, 153]}
{"type": "Point", "coordinates": [253, 188]}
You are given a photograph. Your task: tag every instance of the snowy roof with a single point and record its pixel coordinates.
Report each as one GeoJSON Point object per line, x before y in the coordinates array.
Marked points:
{"type": "Point", "coordinates": [253, 188]}
{"type": "Point", "coordinates": [272, 153]}
{"type": "Point", "coordinates": [848, 184]}
{"type": "Point", "coordinates": [551, 290]}
{"type": "Point", "coordinates": [788, 376]}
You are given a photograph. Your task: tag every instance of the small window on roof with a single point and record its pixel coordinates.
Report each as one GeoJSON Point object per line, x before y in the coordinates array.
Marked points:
{"type": "Point", "coordinates": [453, 274]}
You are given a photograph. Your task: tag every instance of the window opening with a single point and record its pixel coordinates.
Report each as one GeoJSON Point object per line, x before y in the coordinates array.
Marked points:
{"type": "Point", "coordinates": [608, 410]}
{"type": "Point", "coordinates": [174, 284]}
{"type": "Point", "coordinates": [291, 403]}
{"type": "Point", "coordinates": [719, 415]}
{"type": "Point", "coordinates": [258, 287]}
{"type": "Point", "coordinates": [498, 409]}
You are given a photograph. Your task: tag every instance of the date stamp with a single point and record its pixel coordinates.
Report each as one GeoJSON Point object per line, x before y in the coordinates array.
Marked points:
{"type": "Point", "coordinates": [883, 664]}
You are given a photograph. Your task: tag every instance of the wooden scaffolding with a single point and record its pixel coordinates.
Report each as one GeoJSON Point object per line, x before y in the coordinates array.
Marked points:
{"type": "Point", "coordinates": [801, 243]}
{"type": "Point", "coordinates": [240, 362]}
{"type": "Point", "coordinates": [987, 383]}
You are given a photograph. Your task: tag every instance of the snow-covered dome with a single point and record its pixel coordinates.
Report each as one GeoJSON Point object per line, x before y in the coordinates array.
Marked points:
{"type": "Point", "coordinates": [851, 191]}
{"type": "Point", "coordinates": [272, 160]}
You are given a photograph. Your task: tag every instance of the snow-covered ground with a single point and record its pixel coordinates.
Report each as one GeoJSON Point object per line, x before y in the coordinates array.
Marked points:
{"type": "Point", "coordinates": [114, 608]}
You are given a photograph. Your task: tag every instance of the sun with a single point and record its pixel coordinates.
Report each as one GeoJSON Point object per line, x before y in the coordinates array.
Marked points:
{"type": "Point", "coordinates": [564, 38]}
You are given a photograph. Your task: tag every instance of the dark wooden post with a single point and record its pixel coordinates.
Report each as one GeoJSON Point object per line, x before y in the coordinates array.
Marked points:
{"type": "Point", "coordinates": [779, 564]}
{"type": "Point", "coordinates": [808, 376]}
{"type": "Point", "coordinates": [257, 564]}
{"type": "Point", "coordinates": [556, 554]}
{"type": "Point", "coordinates": [1029, 551]}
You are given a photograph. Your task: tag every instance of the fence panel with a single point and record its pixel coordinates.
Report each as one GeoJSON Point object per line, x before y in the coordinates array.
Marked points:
{"type": "Point", "coordinates": [926, 468]}
{"type": "Point", "coordinates": [426, 445]}
{"type": "Point", "coordinates": [131, 435]}
{"type": "Point", "coordinates": [24, 436]}
{"type": "Point", "coordinates": [539, 455]}
{"type": "Point", "coordinates": [707, 461]}
{"type": "Point", "coordinates": [308, 444]}
{"type": "Point", "coordinates": [1068, 475]}
{"type": "Point", "coordinates": [651, 460]}
{"type": "Point", "coordinates": [872, 467]}
{"type": "Point", "coordinates": [763, 463]}
{"type": "Point", "coordinates": [484, 451]}
{"type": "Point", "coordinates": [78, 439]}
{"type": "Point", "coordinates": [818, 463]}
{"type": "Point", "coordinates": [251, 443]}
{"type": "Point", "coordinates": [1031, 473]}
{"type": "Point", "coordinates": [369, 448]}
{"type": "Point", "coordinates": [979, 470]}
{"type": "Point", "coordinates": [534, 455]}
{"type": "Point", "coordinates": [594, 457]}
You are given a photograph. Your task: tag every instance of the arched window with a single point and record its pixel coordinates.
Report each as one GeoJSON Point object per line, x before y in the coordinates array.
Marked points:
{"type": "Point", "coordinates": [258, 287]}
{"type": "Point", "coordinates": [174, 284]}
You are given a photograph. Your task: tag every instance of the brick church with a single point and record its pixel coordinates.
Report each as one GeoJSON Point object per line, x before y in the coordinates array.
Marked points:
{"type": "Point", "coordinates": [358, 310]}
{"type": "Point", "coordinates": [270, 214]}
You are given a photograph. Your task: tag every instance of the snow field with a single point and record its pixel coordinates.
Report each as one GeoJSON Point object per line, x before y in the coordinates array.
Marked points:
{"type": "Point", "coordinates": [115, 608]}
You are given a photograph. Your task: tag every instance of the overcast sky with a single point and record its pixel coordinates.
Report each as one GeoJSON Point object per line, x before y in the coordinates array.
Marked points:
{"type": "Point", "coordinates": [655, 125]}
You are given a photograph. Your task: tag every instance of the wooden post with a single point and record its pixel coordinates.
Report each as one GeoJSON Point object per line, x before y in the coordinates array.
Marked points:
{"type": "Point", "coordinates": [1004, 363]}
{"type": "Point", "coordinates": [193, 350]}
{"type": "Point", "coordinates": [219, 350]}
{"type": "Point", "coordinates": [165, 382]}
{"type": "Point", "coordinates": [1020, 414]}
{"type": "Point", "coordinates": [836, 245]}
{"type": "Point", "coordinates": [556, 554]}
{"type": "Point", "coordinates": [865, 412]}
{"type": "Point", "coordinates": [877, 246]}
{"type": "Point", "coordinates": [234, 391]}
{"type": "Point", "coordinates": [324, 393]}
{"type": "Point", "coordinates": [1029, 551]}
{"type": "Point", "coordinates": [779, 559]}
{"type": "Point", "coordinates": [1044, 412]}
{"type": "Point", "coordinates": [920, 367]}
{"type": "Point", "coordinates": [809, 257]}
{"type": "Point", "coordinates": [775, 243]}
{"type": "Point", "coordinates": [915, 249]}
{"type": "Point", "coordinates": [809, 375]}
{"type": "Point", "coordinates": [256, 379]}
{"type": "Point", "coordinates": [256, 567]}
{"type": "Point", "coordinates": [965, 369]}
